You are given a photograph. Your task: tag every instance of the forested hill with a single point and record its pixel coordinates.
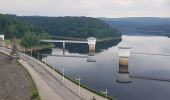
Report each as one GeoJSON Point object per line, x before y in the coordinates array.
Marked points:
{"type": "Point", "coordinates": [154, 25]}
{"type": "Point", "coordinates": [13, 28]}
{"type": "Point", "coordinates": [81, 27]}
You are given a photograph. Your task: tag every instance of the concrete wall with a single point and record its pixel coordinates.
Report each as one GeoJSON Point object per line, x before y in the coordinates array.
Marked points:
{"type": "Point", "coordinates": [2, 37]}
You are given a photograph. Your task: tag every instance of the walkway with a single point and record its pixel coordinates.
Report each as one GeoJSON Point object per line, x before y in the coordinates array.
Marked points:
{"type": "Point", "coordinates": [49, 82]}
{"type": "Point", "coordinates": [53, 82]}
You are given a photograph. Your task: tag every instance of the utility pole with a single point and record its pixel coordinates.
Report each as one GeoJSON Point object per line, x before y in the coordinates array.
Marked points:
{"type": "Point", "coordinates": [4, 44]}
{"type": "Point", "coordinates": [38, 56]}
{"type": "Point", "coordinates": [63, 74]}
{"type": "Point", "coordinates": [24, 50]}
{"type": "Point", "coordinates": [79, 80]}
{"type": "Point", "coordinates": [105, 92]}
{"type": "Point", "coordinates": [45, 60]}
{"type": "Point", "coordinates": [31, 52]}
{"type": "Point", "coordinates": [63, 47]}
{"type": "Point", "coordinates": [53, 66]}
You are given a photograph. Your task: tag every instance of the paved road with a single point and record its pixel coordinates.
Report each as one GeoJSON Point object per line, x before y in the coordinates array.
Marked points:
{"type": "Point", "coordinates": [53, 82]}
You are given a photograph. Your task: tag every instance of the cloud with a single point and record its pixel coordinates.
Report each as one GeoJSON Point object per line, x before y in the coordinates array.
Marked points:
{"type": "Point", "coordinates": [94, 8]}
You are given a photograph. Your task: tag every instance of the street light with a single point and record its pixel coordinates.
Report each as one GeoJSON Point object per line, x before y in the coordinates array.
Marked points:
{"type": "Point", "coordinates": [24, 50]}
{"type": "Point", "coordinates": [45, 60]}
{"type": "Point", "coordinates": [53, 66]}
{"type": "Point", "coordinates": [38, 56]}
{"type": "Point", "coordinates": [63, 74]}
{"type": "Point", "coordinates": [4, 44]}
{"type": "Point", "coordinates": [78, 79]}
{"type": "Point", "coordinates": [31, 52]}
{"type": "Point", "coordinates": [105, 92]}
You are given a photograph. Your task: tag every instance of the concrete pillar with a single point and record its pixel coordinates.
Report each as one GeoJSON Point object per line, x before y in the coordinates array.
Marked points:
{"type": "Point", "coordinates": [4, 44]}
{"type": "Point", "coordinates": [123, 73]}
{"type": "Point", "coordinates": [2, 37]}
{"type": "Point", "coordinates": [63, 47]}
{"type": "Point", "coordinates": [92, 49]}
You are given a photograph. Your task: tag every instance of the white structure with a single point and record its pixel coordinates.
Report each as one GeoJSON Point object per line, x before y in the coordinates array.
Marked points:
{"type": "Point", "coordinates": [2, 42]}
{"type": "Point", "coordinates": [91, 58]}
{"type": "Point", "coordinates": [91, 41]}
{"type": "Point", "coordinates": [124, 54]}
{"type": "Point", "coordinates": [123, 78]}
{"type": "Point", "coordinates": [63, 74]}
{"type": "Point", "coordinates": [2, 37]}
{"type": "Point", "coordinates": [124, 51]}
{"type": "Point", "coordinates": [105, 92]}
{"type": "Point", "coordinates": [123, 73]}
{"type": "Point", "coordinates": [92, 44]}
{"type": "Point", "coordinates": [79, 80]}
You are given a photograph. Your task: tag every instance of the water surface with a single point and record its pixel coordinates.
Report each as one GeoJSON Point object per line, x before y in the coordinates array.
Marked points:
{"type": "Point", "coordinates": [103, 73]}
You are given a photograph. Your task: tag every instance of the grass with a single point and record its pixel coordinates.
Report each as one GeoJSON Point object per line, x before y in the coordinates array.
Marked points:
{"type": "Point", "coordinates": [35, 93]}
{"type": "Point", "coordinates": [42, 46]}
{"type": "Point", "coordinates": [8, 41]}
{"type": "Point", "coordinates": [1, 54]}
{"type": "Point", "coordinates": [36, 47]}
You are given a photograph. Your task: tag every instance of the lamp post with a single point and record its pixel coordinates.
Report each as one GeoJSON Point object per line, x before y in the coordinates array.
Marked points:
{"type": "Point", "coordinates": [53, 66]}
{"type": "Point", "coordinates": [105, 92]}
{"type": "Point", "coordinates": [4, 44]}
{"type": "Point", "coordinates": [24, 50]}
{"type": "Point", "coordinates": [63, 74]}
{"type": "Point", "coordinates": [38, 56]}
{"type": "Point", "coordinates": [79, 80]}
{"type": "Point", "coordinates": [45, 60]}
{"type": "Point", "coordinates": [31, 52]}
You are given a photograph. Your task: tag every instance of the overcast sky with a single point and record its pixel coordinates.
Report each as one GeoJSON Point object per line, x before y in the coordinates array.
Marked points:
{"type": "Point", "coordinates": [92, 8]}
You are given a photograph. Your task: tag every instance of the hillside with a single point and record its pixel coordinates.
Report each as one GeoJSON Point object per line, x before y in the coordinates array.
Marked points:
{"type": "Point", "coordinates": [81, 27]}
{"type": "Point", "coordinates": [147, 25]}
{"type": "Point", "coordinates": [14, 28]}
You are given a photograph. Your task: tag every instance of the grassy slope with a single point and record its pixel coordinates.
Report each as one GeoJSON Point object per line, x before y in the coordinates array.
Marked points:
{"type": "Point", "coordinates": [36, 47]}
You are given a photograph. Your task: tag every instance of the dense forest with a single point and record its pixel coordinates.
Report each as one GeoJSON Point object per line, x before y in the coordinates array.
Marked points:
{"type": "Point", "coordinates": [13, 28]}
{"type": "Point", "coordinates": [80, 27]}
{"type": "Point", "coordinates": [33, 28]}
{"type": "Point", "coordinates": [28, 34]}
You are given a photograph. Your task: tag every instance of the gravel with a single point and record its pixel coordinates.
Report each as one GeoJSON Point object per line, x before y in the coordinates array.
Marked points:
{"type": "Point", "coordinates": [15, 83]}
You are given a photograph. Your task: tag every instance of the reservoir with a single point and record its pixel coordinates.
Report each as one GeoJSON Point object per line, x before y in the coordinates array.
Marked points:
{"type": "Point", "coordinates": [148, 66]}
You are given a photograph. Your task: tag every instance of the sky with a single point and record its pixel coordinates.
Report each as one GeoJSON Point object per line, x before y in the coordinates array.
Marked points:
{"type": "Point", "coordinates": [90, 8]}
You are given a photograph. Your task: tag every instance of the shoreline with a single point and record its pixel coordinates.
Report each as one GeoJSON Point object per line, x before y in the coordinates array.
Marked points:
{"type": "Point", "coordinates": [70, 83]}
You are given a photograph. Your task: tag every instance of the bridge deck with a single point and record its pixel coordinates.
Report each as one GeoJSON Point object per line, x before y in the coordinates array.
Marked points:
{"type": "Point", "coordinates": [75, 56]}
{"type": "Point", "coordinates": [66, 41]}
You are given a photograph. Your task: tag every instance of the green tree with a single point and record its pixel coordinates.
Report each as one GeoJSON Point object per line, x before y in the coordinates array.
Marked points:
{"type": "Point", "coordinates": [32, 39]}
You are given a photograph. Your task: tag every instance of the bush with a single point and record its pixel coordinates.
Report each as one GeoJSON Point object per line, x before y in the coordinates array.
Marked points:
{"type": "Point", "coordinates": [34, 94]}
{"type": "Point", "coordinates": [32, 39]}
